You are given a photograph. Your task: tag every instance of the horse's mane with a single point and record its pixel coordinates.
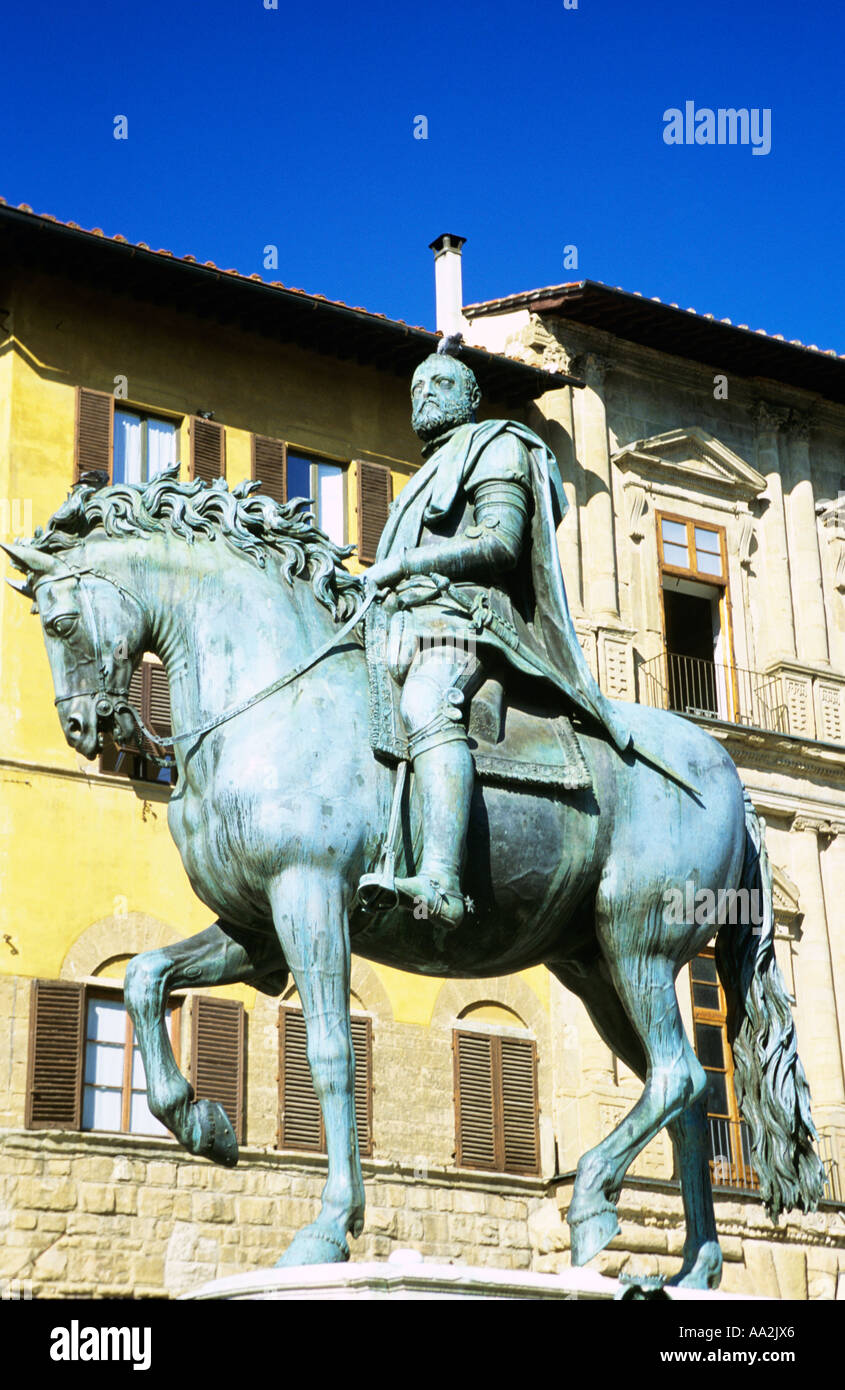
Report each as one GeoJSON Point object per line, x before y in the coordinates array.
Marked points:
{"type": "Point", "coordinates": [253, 525]}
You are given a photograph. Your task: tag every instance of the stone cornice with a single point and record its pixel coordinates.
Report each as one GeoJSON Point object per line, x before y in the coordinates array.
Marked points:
{"type": "Point", "coordinates": [651, 364]}
{"type": "Point", "coordinates": [786, 805]}
{"type": "Point", "coordinates": [779, 752]}
{"type": "Point", "coordinates": [819, 825]}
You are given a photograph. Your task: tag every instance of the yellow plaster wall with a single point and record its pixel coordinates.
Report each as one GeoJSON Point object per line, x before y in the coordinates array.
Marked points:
{"type": "Point", "coordinates": [75, 847]}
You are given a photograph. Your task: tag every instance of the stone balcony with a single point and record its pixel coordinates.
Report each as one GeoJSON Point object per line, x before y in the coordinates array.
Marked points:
{"type": "Point", "coordinates": [785, 699]}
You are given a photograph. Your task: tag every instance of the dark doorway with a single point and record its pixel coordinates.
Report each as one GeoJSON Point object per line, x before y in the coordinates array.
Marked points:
{"type": "Point", "coordinates": [689, 627]}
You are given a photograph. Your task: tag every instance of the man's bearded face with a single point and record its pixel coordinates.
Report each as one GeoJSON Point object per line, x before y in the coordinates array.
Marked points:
{"type": "Point", "coordinates": [442, 397]}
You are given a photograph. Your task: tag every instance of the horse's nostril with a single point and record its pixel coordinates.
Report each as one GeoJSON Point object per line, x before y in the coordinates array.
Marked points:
{"type": "Point", "coordinates": [74, 725]}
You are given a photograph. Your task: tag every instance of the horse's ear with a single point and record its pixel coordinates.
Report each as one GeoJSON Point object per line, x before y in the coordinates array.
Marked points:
{"type": "Point", "coordinates": [29, 560]}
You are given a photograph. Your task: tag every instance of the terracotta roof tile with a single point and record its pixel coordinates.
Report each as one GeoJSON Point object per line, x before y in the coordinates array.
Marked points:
{"type": "Point", "coordinates": [210, 265]}
{"type": "Point", "coordinates": [549, 291]}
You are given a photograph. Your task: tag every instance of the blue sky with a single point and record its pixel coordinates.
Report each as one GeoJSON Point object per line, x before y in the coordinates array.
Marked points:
{"type": "Point", "coordinates": [294, 127]}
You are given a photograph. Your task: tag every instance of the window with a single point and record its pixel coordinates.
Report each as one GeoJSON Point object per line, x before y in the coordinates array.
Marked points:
{"type": "Point", "coordinates": [730, 1153]}
{"type": "Point", "coordinates": [143, 446]}
{"type": "Point", "coordinates": [285, 473]}
{"type": "Point", "coordinates": [149, 693]}
{"type": "Point", "coordinates": [85, 1070]}
{"type": "Point", "coordinates": [700, 677]}
{"type": "Point", "coordinates": [687, 547]}
{"type": "Point", "coordinates": [300, 1117]}
{"type": "Point", "coordinates": [496, 1106]}
{"type": "Point", "coordinates": [127, 445]}
{"type": "Point", "coordinates": [325, 483]}
{"type": "Point", "coordinates": [114, 1093]}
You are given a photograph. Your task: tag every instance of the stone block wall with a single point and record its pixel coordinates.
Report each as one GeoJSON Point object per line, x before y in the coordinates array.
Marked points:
{"type": "Point", "coordinates": [115, 1216]}
{"type": "Point", "coordinates": [100, 1215]}
{"type": "Point", "coordinates": [802, 1257]}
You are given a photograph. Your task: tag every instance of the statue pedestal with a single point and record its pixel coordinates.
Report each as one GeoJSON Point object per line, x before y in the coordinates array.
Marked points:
{"type": "Point", "coordinates": [407, 1276]}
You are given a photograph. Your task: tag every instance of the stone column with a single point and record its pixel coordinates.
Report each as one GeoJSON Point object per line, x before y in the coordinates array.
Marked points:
{"type": "Point", "coordinates": [554, 421]}
{"type": "Point", "coordinates": [819, 1040]}
{"type": "Point", "coordinates": [833, 879]}
{"type": "Point", "coordinates": [777, 631]}
{"type": "Point", "coordinates": [593, 455]}
{"type": "Point", "coordinates": [804, 558]}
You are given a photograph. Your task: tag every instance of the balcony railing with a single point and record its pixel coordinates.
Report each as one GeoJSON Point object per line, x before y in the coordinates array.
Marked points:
{"type": "Point", "coordinates": [730, 1155]}
{"type": "Point", "coordinates": [712, 690]}
{"type": "Point", "coordinates": [730, 1159]}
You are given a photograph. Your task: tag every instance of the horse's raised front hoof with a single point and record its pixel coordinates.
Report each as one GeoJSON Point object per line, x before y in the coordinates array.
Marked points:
{"type": "Point", "coordinates": [214, 1137]}
{"type": "Point", "coordinates": [313, 1246]}
{"type": "Point", "coordinates": [592, 1234]}
{"type": "Point", "coordinates": [705, 1272]}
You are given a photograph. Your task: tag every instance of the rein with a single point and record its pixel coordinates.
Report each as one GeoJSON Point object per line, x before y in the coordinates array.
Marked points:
{"type": "Point", "coordinates": [107, 699]}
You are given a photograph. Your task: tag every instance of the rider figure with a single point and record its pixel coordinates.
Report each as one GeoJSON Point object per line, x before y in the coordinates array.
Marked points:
{"type": "Point", "coordinates": [470, 554]}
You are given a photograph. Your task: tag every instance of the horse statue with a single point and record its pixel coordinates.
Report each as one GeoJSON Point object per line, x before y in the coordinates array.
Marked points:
{"type": "Point", "coordinates": [252, 613]}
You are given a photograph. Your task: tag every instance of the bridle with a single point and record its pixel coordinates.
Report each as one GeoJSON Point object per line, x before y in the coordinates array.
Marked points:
{"type": "Point", "coordinates": [108, 701]}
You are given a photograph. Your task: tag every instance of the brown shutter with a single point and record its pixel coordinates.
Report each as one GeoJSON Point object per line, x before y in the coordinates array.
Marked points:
{"type": "Point", "coordinates": [94, 439]}
{"type": "Point", "coordinates": [269, 465]}
{"type": "Point", "coordinates": [56, 1054]}
{"type": "Point", "coordinates": [208, 450]}
{"type": "Point", "coordinates": [217, 1055]}
{"type": "Point", "coordinates": [520, 1132]}
{"type": "Point", "coordinates": [300, 1118]}
{"type": "Point", "coordinates": [158, 698]}
{"type": "Point", "coordinates": [474, 1108]}
{"type": "Point", "coordinates": [362, 1045]}
{"type": "Point", "coordinates": [375, 493]}
{"type": "Point", "coordinates": [301, 1122]}
{"type": "Point", "coordinates": [496, 1110]}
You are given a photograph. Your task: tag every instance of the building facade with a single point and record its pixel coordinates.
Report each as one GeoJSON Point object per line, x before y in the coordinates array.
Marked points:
{"type": "Point", "coordinates": [702, 553]}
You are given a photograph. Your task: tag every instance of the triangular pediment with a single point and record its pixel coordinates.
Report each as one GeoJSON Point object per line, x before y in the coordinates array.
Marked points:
{"type": "Point", "coordinates": [692, 456]}
{"type": "Point", "coordinates": [787, 903]}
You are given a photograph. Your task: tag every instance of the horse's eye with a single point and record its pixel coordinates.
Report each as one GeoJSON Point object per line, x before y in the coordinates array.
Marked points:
{"type": "Point", "coordinates": [63, 627]}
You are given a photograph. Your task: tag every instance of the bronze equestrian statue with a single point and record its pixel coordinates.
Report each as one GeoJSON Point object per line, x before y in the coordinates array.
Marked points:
{"type": "Point", "coordinates": [581, 820]}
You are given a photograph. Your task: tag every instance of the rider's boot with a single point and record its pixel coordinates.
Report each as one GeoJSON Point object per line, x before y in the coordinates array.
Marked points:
{"type": "Point", "coordinates": [445, 776]}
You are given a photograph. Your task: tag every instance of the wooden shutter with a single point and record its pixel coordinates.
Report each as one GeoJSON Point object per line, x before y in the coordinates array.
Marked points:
{"type": "Point", "coordinates": [496, 1109]}
{"type": "Point", "coordinates": [520, 1120]}
{"type": "Point", "coordinates": [94, 439]}
{"type": "Point", "coordinates": [375, 493]}
{"type": "Point", "coordinates": [300, 1118]}
{"type": "Point", "coordinates": [56, 1053]}
{"type": "Point", "coordinates": [269, 465]}
{"type": "Point", "coordinates": [301, 1122]}
{"type": "Point", "coordinates": [474, 1107]}
{"type": "Point", "coordinates": [157, 698]}
{"type": "Point", "coordinates": [362, 1046]}
{"type": "Point", "coordinates": [208, 450]}
{"type": "Point", "coordinates": [217, 1055]}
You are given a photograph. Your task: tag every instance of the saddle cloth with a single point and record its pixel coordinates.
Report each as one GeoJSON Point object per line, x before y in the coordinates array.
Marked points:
{"type": "Point", "coordinates": [548, 750]}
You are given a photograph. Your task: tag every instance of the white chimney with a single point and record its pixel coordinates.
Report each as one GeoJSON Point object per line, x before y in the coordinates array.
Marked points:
{"type": "Point", "coordinates": [447, 284]}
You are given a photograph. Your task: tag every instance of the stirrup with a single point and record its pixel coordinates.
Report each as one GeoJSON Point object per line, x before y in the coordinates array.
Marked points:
{"type": "Point", "coordinates": [377, 890]}
{"type": "Point", "coordinates": [445, 906]}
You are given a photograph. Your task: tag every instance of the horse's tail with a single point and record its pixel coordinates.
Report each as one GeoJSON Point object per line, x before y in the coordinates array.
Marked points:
{"type": "Point", "coordinates": [772, 1090]}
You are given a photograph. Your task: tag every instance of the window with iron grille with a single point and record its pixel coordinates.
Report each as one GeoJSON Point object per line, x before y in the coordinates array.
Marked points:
{"type": "Point", "coordinates": [496, 1102]}
{"type": "Point", "coordinates": [700, 676]}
